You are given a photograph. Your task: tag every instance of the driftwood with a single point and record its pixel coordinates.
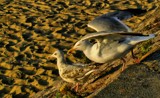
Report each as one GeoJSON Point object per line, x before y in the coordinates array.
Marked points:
{"type": "Point", "coordinates": [150, 25]}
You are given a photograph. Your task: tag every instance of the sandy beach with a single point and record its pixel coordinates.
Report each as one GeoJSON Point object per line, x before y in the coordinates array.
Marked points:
{"type": "Point", "coordinates": [30, 31]}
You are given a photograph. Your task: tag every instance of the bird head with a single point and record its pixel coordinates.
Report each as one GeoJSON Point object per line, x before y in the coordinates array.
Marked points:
{"type": "Point", "coordinates": [80, 45]}
{"type": "Point", "coordinates": [57, 54]}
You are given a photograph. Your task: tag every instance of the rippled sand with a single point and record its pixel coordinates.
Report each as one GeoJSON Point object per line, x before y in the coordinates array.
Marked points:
{"type": "Point", "coordinates": [31, 30]}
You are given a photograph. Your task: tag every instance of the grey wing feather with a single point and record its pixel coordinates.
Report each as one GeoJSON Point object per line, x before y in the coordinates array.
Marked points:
{"type": "Point", "coordinates": [99, 35]}
{"type": "Point", "coordinates": [120, 14]}
{"type": "Point", "coordinates": [111, 22]}
{"type": "Point", "coordinates": [110, 36]}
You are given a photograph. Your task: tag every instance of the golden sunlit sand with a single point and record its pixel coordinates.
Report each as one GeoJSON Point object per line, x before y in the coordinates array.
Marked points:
{"type": "Point", "coordinates": [31, 30]}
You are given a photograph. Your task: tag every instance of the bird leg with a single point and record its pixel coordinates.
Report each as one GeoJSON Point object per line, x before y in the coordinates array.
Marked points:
{"type": "Point", "coordinates": [136, 59]}
{"type": "Point", "coordinates": [75, 87]}
{"type": "Point", "coordinates": [124, 63]}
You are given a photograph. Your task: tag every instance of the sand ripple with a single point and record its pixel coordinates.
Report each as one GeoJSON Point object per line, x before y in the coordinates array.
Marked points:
{"type": "Point", "coordinates": [31, 30]}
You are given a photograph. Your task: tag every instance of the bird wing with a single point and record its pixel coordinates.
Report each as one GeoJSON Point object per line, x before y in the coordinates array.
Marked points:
{"type": "Point", "coordinates": [105, 34]}
{"type": "Point", "coordinates": [119, 14]}
{"type": "Point", "coordinates": [77, 73]}
{"type": "Point", "coordinates": [104, 38]}
{"type": "Point", "coordinates": [81, 65]}
{"type": "Point", "coordinates": [110, 22]}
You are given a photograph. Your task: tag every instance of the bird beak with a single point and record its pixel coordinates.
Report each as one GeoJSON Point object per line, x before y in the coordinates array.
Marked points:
{"type": "Point", "coordinates": [50, 56]}
{"type": "Point", "coordinates": [70, 50]}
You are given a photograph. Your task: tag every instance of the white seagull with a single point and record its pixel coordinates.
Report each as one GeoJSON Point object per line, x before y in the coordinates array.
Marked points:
{"type": "Point", "coordinates": [115, 45]}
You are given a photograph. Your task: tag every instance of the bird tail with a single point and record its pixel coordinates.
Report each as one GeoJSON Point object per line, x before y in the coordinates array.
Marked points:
{"type": "Point", "coordinates": [136, 39]}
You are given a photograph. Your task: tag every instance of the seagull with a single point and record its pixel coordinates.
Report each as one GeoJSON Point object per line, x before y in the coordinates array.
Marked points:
{"type": "Point", "coordinates": [72, 73]}
{"type": "Point", "coordinates": [111, 22]}
{"type": "Point", "coordinates": [115, 45]}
